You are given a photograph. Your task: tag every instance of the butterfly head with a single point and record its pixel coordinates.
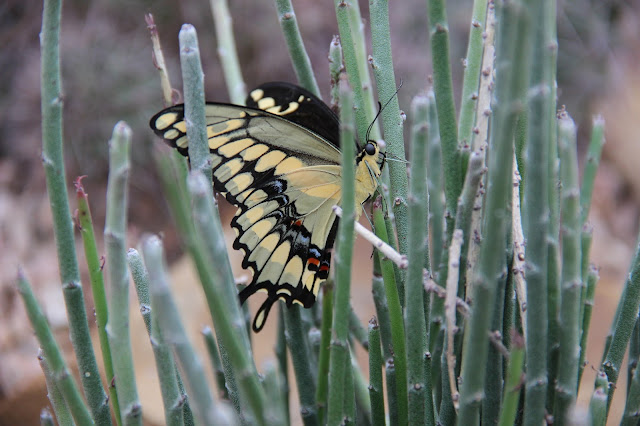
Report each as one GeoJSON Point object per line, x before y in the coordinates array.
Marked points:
{"type": "Point", "coordinates": [373, 157]}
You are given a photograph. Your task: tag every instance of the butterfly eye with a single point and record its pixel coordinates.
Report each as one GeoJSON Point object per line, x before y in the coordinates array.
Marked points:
{"type": "Point", "coordinates": [370, 148]}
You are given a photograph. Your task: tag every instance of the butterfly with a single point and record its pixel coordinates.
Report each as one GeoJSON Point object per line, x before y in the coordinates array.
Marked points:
{"type": "Point", "coordinates": [278, 160]}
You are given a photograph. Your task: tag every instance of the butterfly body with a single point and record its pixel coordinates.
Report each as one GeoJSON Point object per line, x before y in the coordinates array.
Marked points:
{"type": "Point", "coordinates": [278, 160]}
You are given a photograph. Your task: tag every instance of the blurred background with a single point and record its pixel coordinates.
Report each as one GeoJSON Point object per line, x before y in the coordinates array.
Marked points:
{"type": "Point", "coordinates": [108, 75]}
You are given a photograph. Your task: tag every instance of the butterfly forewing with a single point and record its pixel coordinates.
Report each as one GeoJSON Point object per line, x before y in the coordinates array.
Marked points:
{"type": "Point", "coordinates": [283, 174]}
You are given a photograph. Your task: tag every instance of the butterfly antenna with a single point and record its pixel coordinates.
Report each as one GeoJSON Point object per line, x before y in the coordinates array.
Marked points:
{"type": "Point", "coordinates": [390, 157]}
{"type": "Point", "coordinates": [380, 109]}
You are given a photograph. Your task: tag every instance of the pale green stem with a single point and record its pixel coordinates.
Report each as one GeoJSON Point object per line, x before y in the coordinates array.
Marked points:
{"type": "Point", "coordinates": [118, 275]}
{"type": "Point", "coordinates": [172, 399]}
{"type": "Point", "coordinates": [206, 409]}
{"type": "Point", "coordinates": [60, 373]}
{"type": "Point", "coordinates": [227, 51]}
{"type": "Point", "coordinates": [343, 256]}
{"type": "Point", "coordinates": [299, 57]}
{"type": "Point", "coordinates": [569, 319]}
{"type": "Point", "coordinates": [418, 242]}
{"type": "Point", "coordinates": [52, 101]}
{"type": "Point", "coordinates": [511, 77]}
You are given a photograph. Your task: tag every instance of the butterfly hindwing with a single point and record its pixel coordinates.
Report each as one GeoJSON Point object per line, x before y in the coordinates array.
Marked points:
{"type": "Point", "coordinates": [283, 174]}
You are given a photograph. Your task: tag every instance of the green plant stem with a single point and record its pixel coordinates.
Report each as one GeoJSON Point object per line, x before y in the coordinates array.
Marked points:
{"type": "Point", "coordinates": [350, 394]}
{"type": "Point", "coordinates": [336, 67]}
{"type": "Point", "coordinates": [206, 219]}
{"type": "Point", "coordinates": [513, 383]}
{"type": "Point", "coordinates": [381, 62]}
{"type": "Point", "coordinates": [535, 211]}
{"type": "Point", "coordinates": [300, 357]}
{"type": "Point", "coordinates": [273, 385]}
{"type": "Point", "coordinates": [228, 326]}
{"type": "Point", "coordinates": [429, 411]}
{"type": "Point", "coordinates": [634, 354]}
{"type": "Point", "coordinates": [281, 355]}
{"type": "Point", "coordinates": [95, 266]}
{"type": "Point", "coordinates": [324, 352]}
{"type": "Point", "coordinates": [632, 405]}
{"type": "Point", "coordinates": [591, 166]}
{"type": "Point", "coordinates": [231, 384]}
{"type": "Point", "coordinates": [56, 398]}
{"type": "Point", "coordinates": [62, 378]}
{"type": "Point", "coordinates": [376, 390]}
{"type": "Point", "coordinates": [435, 189]}
{"type": "Point", "coordinates": [396, 320]}
{"type": "Point", "coordinates": [193, 87]}
{"type": "Point", "coordinates": [172, 398]}
{"type": "Point", "coordinates": [390, 374]}
{"type": "Point", "coordinates": [205, 215]}
{"type": "Point", "coordinates": [553, 191]}
{"type": "Point", "coordinates": [227, 52]}
{"type": "Point", "coordinates": [589, 301]}
{"type": "Point", "coordinates": [299, 57]}
{"type": "Point", "coordinates": [357, 331]}
{"type": "Point", "coordinates": [466, 202]}
{"type": "Point", "coordinates": [382, 307]}
{"type": "Point", "coordinates": [624, 323]}
{"type": "Point", "coordinates": [511, 76]}
{"type": "Point", "coordinates": [205, 406]}
{"type": "Point", "coordinates": [355, 61]}
{"type": "Point", "coordinates": [443, 88]}
{"type": "Point", "coordinates": [118, 275]}
{"type": "Point", "coordinates": [216, 363]}
{"type": "Point", "coordinates": [53, 162]}
{"type": "Point", "coordinates": [471, 78]}
{"type": "Point", "coordinates": [361, 391]}
{"type": "Point", "coordinates": [418, 242]}
{"type": "Point", "coordinates": [598, 403]}
{"type": "Point", "coordinates": [344, 251]}
{"type": "Point", "coordinates": [586, 237]}
{"type": "Point", "coordinates": [570, 319]}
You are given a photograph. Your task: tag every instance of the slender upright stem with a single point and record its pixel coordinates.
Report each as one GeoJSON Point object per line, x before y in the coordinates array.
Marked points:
{"type": "Point", "coordinates": [52, 354]}
{"type": "Point", "coordinates": [302, 367]}
{"type": "Point", "coordinates": [193, 82]}
{"type": "Point", "coordinates": [513, 384]}
{"type": "Point", "coordinates": [172, 398]}
{"type": "Point", "coordinates": [117, 272]}
{"type": "Point", "coordinates": [397, 325]}
{"type": "Point", "coordinates": [511, 76]}
{"type": "Point", "coordinates": [324, 355]}
{"type": "Point", "coordinates": [471, 79]}
{"type": "Point", "coordinates": [52, 159]}
{"type": "Point", "coordinates": [355, 61]}
{"type": "Point", "coordinates": [297, 52]}
{"type": "Point", "coordinates": [227, 51]}
{"type": "Point", "coordinates": [570, 319]}
{"type": "Point", "coordinates": [339, 358]}
{"type": "Point", "coordinates": [623, 326]}
{"type": "Point", "coordinates": [206, 408]}
{"type": "Point", "coordinates": [55, 396]}
{"type": "Point", "coordinates": [95, 265]}
{"type": "Point", "coordinates": [418, 243]}
{"type": "Point", "coordinates": [535, 212]}
{"type": "Point", "coordinates": [591, 166]}
{"type": "Point", "coordinates": [376, 390]}
{"type": "Point", "coordinates": [443, 87]}
{"type": "Point", "coordinates": [382, 64]}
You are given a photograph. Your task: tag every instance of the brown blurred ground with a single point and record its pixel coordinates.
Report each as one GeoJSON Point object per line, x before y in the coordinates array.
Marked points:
{"type": "Point", "coordinates": [108, 76]}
